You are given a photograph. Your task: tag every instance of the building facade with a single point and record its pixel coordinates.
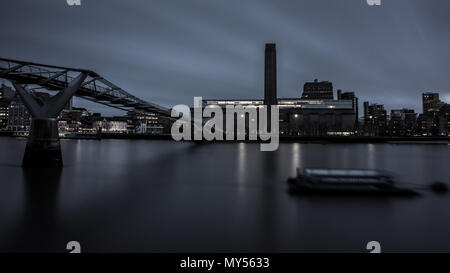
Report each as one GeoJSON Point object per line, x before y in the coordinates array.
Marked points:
{"type": "Point", "coordinates": [430, 101]}
{"type": "Point", "coordinates": [19, 120]}
{"type": "Point", "coordinates": [318, 90]}
{"type": "Point", "coordinates": [375, 119]}
{"type": "Point", "coordinates": [146, 123]}
{"type": "Point", "coordinates": [297, 117]}
{"type": "Point", "coordinates": [355, 103]}
{"type": "Point", "coordinates": [6, 95]}
{"type": "Point", "coordinates": [403, 122]}
{"type": "Point", "coordinates": [118, 125]}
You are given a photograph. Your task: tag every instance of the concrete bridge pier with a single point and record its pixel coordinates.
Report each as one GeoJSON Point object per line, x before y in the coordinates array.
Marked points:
{"type": "Point", "coordinates": [43, 148]}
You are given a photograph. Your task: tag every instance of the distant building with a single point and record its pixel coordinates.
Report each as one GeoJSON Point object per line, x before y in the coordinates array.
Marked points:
{"type": "Point", "coordinates": [6, 95]}
{"type": "Point", "coordinates": [444, 120]}
{"type": "Point", "coordinates": [375, 119]}
{"type": "Point", "coordinates": [3, 114]}
{"type": "Point", "coordinates": [149, 129]}
{"type": "Point", "coordinates": [305, 117]}
{"type": "Point", "coordinates": [350, 96]}
{"type": "Point", "coordinates": [75, 120]}
{"type": "Point", "coordinates": [146, 123]}
{"type": "Point", "coordinates": [318, 90]}
{"type": "Point", "coordinates": [430, 102]}
{"type": "Point", "coordinates": [314, 114]}
{"type": "Point", "coordinates": [112, 125]}
{"type": "Point", "coordinates": [435, 122]}
{"type": "Point", "coordinates": [403, 122]}
{"type": "Point", "coordinates": [15, 117]}
{"type": "Point", "coordinates": [435, 118]}
{"type": "Point", "coordinates": [317, 118]}
{"type": "Point", "coordinates": [19, 120]}
{"type": "Point", "coordinates": [426, 125]}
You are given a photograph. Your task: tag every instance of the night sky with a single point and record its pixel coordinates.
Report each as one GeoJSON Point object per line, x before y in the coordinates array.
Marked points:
{"type": "Point", "coordinates": [168, 51]}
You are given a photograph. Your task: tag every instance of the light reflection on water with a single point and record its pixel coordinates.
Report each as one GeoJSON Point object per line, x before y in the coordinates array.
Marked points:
{"type": "Point", "coordinates": [149, 196]}
{"type": "Point", "coordinates": [296, 156]}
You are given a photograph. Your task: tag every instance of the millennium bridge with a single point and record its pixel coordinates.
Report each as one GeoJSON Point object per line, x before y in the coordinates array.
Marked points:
{"type": "Point", "coordinates": [43, 146]}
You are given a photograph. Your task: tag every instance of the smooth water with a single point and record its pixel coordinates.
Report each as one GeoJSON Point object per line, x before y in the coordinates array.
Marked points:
{"type": "Point", "coordinates": [163, 196]}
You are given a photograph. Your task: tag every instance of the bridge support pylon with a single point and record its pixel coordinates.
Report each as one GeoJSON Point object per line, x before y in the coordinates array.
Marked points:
{"type": "Point", "coordinates": [43, 149]}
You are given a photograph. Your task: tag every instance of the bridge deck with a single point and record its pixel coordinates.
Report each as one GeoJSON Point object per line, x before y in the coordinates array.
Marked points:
{"type": "Point", "coordinates": [95, 88]}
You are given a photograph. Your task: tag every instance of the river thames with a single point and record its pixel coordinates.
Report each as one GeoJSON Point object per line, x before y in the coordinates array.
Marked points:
{"type": "Point", "coordinates": [164, 196]}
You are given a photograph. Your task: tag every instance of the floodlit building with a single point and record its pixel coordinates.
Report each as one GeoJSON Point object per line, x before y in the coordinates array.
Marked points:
{"type": "Point", "coordinates": [112, 125]}
{"type": "Point", "coordinates": [305, 117]}
{"type": "Point", "coordinates": [316, 113]}
{"type": "Point", "coordinates": [146, 123]}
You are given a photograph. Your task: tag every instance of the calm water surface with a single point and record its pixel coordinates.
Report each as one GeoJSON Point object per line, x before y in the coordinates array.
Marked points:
{"type": "Point", "coordinates": [162, 196]}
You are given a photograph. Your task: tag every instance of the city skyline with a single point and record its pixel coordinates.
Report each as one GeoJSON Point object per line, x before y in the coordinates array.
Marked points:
{"type": "Point", "coordinates": [373, 51]}
{"type": "Point", "coordinates": [225, 134]}
{"type": "Point", "coordinates": [442, 98]}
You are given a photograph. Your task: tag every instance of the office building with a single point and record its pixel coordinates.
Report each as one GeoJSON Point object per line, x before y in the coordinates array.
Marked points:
{"type": "Point", "coordinates": [435, 122]}
{"type": "Point", "coordinates": [3, 114]}
{"type": "Point", "coordinates": [350, 96]}
{"type": "Point", "coordinates": [403, 122]}
{"type": "Point", "coordinates": [6, 95]}
{"type": "Point", "coordinates": [375, 119]}
{"type": "Point", "coordinates": [430, 102]}
{"type": "Point", "coordinates": [147, 123]}
{"type": "Point", "coordinates": [435, 118]}
{"type": "Point", "coordinates": [19, 120]}
{"type": "Point", "coordinates": [75, 120]}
